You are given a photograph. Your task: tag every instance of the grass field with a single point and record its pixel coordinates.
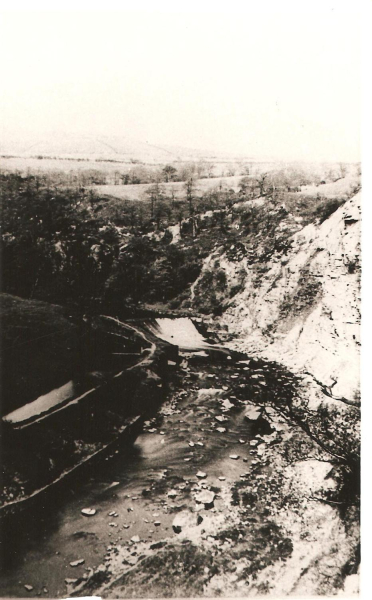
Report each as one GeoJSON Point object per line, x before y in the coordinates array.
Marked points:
{"type": "Point", "coordinates": [138, 192]}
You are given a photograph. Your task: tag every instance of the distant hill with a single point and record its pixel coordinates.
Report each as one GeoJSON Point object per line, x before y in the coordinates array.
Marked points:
{"type": "Point", "coordinates": [104, 146]}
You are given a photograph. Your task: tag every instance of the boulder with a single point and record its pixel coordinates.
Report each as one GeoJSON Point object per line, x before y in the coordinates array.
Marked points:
{"type": "Point", "coordinates": [206, 497]}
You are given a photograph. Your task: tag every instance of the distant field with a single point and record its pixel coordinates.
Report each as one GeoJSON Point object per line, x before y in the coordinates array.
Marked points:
{"type": "Point", "coordinates": [34, 165]}
{"type": "Point", "coordinates": [138, 192]}
{"type": "Point", "coordinates": [333, 189]}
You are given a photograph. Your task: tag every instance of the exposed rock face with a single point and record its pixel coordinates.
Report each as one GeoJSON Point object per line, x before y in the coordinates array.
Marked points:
{"type": "Point", "coordinates": [303, 310]}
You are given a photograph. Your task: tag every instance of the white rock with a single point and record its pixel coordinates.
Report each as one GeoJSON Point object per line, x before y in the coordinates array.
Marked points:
{"type": "Point", "coordinates": [206, 497]}
{"type": "Point", "coordinates": [252, 413]}
{"type": "Point", "coordinates": [78, 562]}
{"type": "Point", "coordinates": [88, 512]}
{"type": "Point", "coordinates": [201, 475]}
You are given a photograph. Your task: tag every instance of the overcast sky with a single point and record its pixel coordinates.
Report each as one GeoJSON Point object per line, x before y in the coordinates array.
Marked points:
{"type": "Point", "coordinates": [257, 82]}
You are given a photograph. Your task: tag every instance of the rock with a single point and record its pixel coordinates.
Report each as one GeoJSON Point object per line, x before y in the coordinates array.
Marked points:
{"type": "Point", "coordinates": [221, 429]}
{"type": "Point", "coordinates": [172, 494]}
{"type": "Point", "coordinates": [201, 475]}
{"type": "Point", "coordinates": [241, 441]}
{"type": "Point", "coordinates": [135, 539]}
{"type": "Point", "coordinates": [221, 478]}
{"type": "Point", "coordinates": [227, 404]}
{"type": "Point", "coordinates": [183, 520]}
{"type": "Point", "coordinates": [69, 581]}
{"type": "Point", "coordinates": [88, 512]}
{"type": "Point", "coordinates": [113, 524]}
{"type": "Point", "coordinates": [206, 497]}
{"type": "Point", "coordinates": [158, 545]}
{"type": "Point", "coordinates": [112, 514]}
{"type": "Point", "coordinates": [253, 443]}
{"type": "Point", "coordinates": [157, 523]}
{"type": "Point", "coordinates": [29, 588]}
{"type": "Point", "coordinates": [191, 444]}
{"type": "Point", "coordinates": [113, 484]}
{"type": "Point", "coordinates": [199, 520]}
{"type": "Point", "coordinates": [221, 419]}
{"type": "Point", "coordinates": [234, 456]}
{"type": "Point", "coordinates": [252, 413]}
{"type": "Point", "coordinates": [78, 562]}
{"type": "Point", "coordinates": [200, 444]}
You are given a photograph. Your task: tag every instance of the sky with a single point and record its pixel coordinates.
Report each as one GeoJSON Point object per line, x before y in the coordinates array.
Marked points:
{"type": "Point", "coordinates": [256, 78]}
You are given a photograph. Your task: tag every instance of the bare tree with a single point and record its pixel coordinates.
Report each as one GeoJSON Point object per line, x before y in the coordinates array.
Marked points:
{"type": "Point", "coordinates": [189, 187]}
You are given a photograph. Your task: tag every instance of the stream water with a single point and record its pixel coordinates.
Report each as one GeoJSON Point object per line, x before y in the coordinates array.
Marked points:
{"type": "Point", "coordinates": [181, 438]}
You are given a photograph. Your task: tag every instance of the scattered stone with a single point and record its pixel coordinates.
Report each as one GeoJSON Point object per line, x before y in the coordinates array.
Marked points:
{"type": "Point", "coordinates": [221, 478]}
{"type": "Point", "coordinates": [135, 539]}
{"type": "Point", "coordinates": [207, 498]}
{"type": "Point", "coordinates": [253, 443]}
{"type": "Point", "coordinates": [221, 429]}
{"type": "Point", "coordinates": [221, 419]}
{"type": "Point", "coordinates": [113, 524]}
{"type": "Point", "coordinates": [88, 512]}
{"type": "Point", "coordinates": [29, 588]}
{"type": "Point", "coordinates": [201, 475]}
{"type": "Point", "coordinates": [191, 444]}
{"type": "Point", "coordinates": [234, 456]}
{"type": "Point", "coordinates": [241, 441]}
{"type": "Point", "coordinates": [172, 494]}
{"type": "Point", "coordinates": [78, 562]}
{"type": "Point", "coordinates": [252, 413]}
{"type": "Point", "coordinates": [112, 514]}
{"type": "Point", "coordinates": [113, 484]}
{"type": "Point", "coordinates": [157, 523]}
{"type": "Point", "coordinates": [126, 526]}
{"type": "Point", "coordinates": [200, 444]}
{"type": "Point", "coordinates": [152, 430]}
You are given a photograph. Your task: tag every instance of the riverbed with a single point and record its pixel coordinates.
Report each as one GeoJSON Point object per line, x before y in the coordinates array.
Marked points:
{"type": "Point", "coordinates": [199, 440]}
{"type": "Point", "coordinates": [198, 428]}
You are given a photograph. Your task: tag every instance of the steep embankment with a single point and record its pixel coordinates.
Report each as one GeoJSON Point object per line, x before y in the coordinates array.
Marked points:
{"type": "Point", "coordinates": [301, 307]}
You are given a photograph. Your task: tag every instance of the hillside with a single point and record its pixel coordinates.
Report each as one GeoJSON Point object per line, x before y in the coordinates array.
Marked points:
{"type": "Point", "coordinates": [304, 305]}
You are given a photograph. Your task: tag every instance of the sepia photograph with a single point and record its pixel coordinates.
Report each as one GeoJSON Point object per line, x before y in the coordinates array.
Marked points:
{"type": "Point", "coordinates": [181, 193]}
